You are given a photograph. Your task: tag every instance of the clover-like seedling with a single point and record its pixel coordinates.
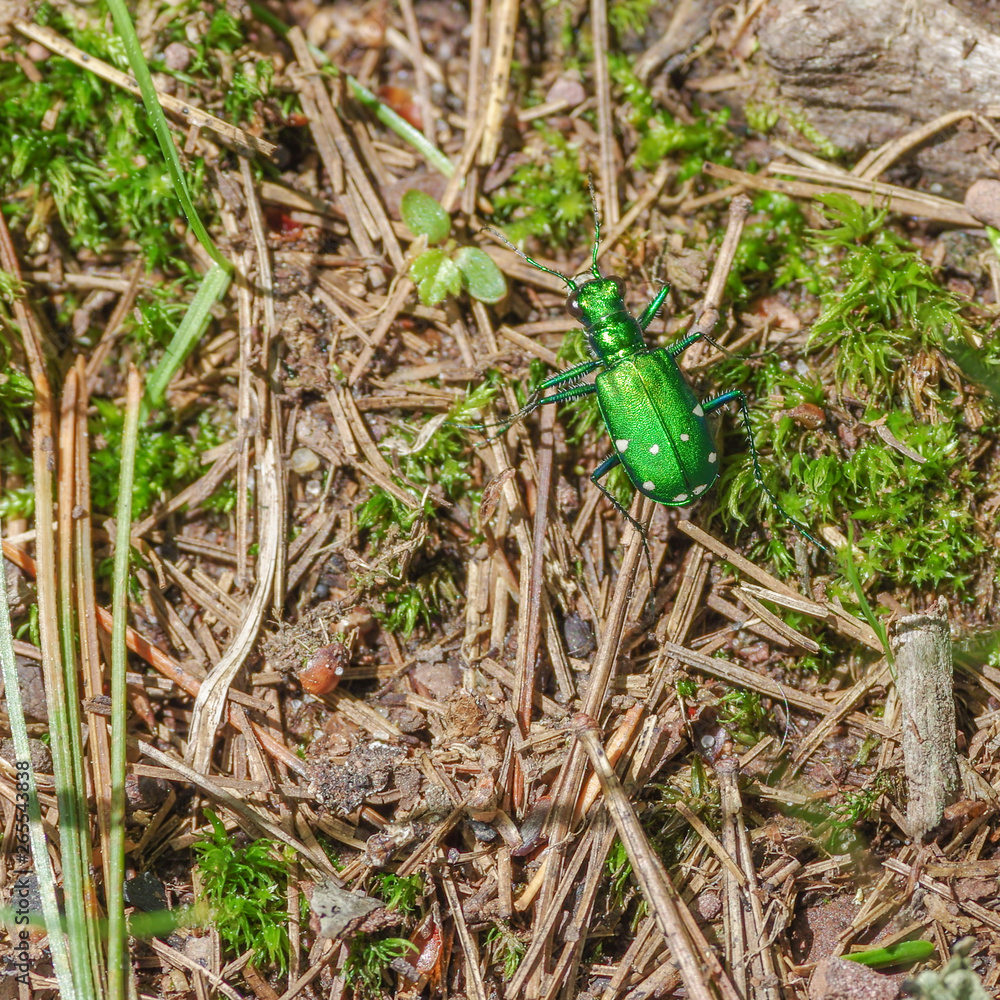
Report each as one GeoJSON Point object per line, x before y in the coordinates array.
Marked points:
{"type": "Point", "coordinates": [448, 269]}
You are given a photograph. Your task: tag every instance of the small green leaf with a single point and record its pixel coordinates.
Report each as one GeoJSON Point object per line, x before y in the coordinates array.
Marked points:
{"type": "Point", "coordinates": [901, 953]}
{"type": "Point", "coordinates": [482, 278]}
{"type": "Point", "coordinates": [436, 275]}
{"type": "Point", "coordinates": [424, 216]}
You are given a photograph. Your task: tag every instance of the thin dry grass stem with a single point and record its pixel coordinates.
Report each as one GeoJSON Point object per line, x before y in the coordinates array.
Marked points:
{"type": "Point", "coordinates": [246, 420]}
{"type": "Point", "coordinates": [566, 970]}
{"type": "Point", "coordinates": [751, 959]}
{"type": "Point", "coordinates": [678, 622]}
{"type": "Point", "coordinates": [876, 161]}
{"type": "Point", "coordinates": [973, 909]}
{"type": "Point", "coordinates": [571, 775]}
{"type": "Point", "coordinates": [90, 652]}
{"type": "Point", "coordinates": [503, 29]}
{"type": "Point", "coordinates": [354, 431]}
{"type": "Point", "coordinates": [545, 919]}
{"type": "Point", "coordinates": [529, 639]}
{"type": "Point", "coordinates": [876, 675]}
{"type": "Point", "coordinates": [788, 633]}
{"type": "Point", "coordinates": [187, 115]}
{"type": "Point", "coordinates": [116, 323]}
{"type": "Point", "coordinates": [193, 495]}
{"type": "Point", "coordinates": [671, 914]}
{"type": "Point", "coordinates": [469, 949]}
{"type": "Point", "coordinates": [202, 977]}
{"type": "Point", "coordinates": [394, 305]}
{"type": "Point", "coordinates": [609, 168]}
{"type": "Point", "coordinates": [765, 685]}
{"type": "Point", "coordinates": [902, 200]}
{"type": "Point", "coordinates": [650, 194]}
{"type": "Point", "coordinates": [210, 703]}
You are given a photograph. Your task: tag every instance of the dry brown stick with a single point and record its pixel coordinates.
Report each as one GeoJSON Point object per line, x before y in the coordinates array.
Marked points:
{"type": "Point", "coordinates": [605, 123]}
{"type": "Point", "coordinates": [186, 113]}
{"type": "Point", "coordinates": [90, 653]}
{"type": "Point", "coordinates": [907, 204]}
{"type": "Point", "coordinates": [526, 668]}
{"type": "Point", "coordinates": [503, 28]}
{"type": "Point", "coordinates": [921, 645]}
{"type": "Point", "coordinates": [742, 677]}
{"type": "Point", "coordinates": [663, 900]}
{"type": "Point", "coordinates": [755, 962]}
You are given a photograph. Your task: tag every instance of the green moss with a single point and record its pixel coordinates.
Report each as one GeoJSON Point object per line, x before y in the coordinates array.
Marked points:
{"type": "Point", "coordinates": [245, 888]}
{"type": "Point", "coordinates": [547, 197]}
{"type": "Point", "coordinates": [881, 309]}
{"type": "Point", "coordinates": [167, 459]}
{"type": "Point", "coordinates": [661, 135]}
{"type": "Point", "coordinates": [774, 248]}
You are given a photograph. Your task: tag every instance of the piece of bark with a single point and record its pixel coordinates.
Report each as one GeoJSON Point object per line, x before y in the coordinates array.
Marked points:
{"type": "Point", "coordinates": [863, 72]}
{"type": "Point", "coordinates": [921, 645]}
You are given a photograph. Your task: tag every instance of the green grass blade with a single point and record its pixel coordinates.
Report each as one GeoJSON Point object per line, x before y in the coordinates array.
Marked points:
{"type": "Point", "coordinates": [115, 890]}
{"type": "Point", "coordinates": [36, 832]}
{"type": "Point", "coordinates": [216, 281]}
{"type": "Point", "coordinates": [158, 121]}
{"type": "Point", "coordinates": [196, 319]}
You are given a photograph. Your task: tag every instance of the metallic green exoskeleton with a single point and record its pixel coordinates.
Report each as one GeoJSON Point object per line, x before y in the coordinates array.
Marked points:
{"type": "Point", "coordinates": [656, 422]}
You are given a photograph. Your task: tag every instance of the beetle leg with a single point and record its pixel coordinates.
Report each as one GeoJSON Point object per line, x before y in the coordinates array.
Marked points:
{"type": "Point", "coordinates": [536, 400]}
{"type": "Point", "coordinates": [654, 307]}
{"type": "Point", "coordinates": [570, 374]}
{"type": "Point", "coordinates": [682, 345]}
{"type": "Point", "coordinates": [727, 397]}
{"type": "Point", "coordinates": [599, 473]}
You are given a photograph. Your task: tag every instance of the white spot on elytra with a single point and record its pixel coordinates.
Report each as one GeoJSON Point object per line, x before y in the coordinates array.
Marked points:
{"type": "Point", "coordinates": [712, 457]}
{"type": "Point", "coordinates": [698, 490]}
{"type": "Point", "coordinates": [655, 450]}
{"type": "Point", "coordinates": [649, 485]}
{"type": "Point", "coordinates": [685, 437]}
{"type": "Point", "coordinates": [698, 411]}
{"type": "Point", "coordinates": [680, 498]}
{"type": "Point", "coordinates": [621, 444]}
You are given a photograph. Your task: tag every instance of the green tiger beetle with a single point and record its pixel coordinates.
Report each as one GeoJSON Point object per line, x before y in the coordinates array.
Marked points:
{"type": "Point", "coordinates": [658, 425]}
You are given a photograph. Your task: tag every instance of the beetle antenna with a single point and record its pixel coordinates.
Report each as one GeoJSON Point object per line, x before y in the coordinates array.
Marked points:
{"type": "Point", "coordinates": [597, 226]}
{"type": "Point", "coordinates": [534, 263]}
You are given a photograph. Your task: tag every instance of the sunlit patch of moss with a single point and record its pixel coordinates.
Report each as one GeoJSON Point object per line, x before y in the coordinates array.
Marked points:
{"type": "Point", "coordinates": [547, 197]}
{"type": "Point", "coordinates": [661, 135]}
{"type": "Point", "coordinates": [911, 490]}
{"type": "Point", "coordinates": [774, 247]}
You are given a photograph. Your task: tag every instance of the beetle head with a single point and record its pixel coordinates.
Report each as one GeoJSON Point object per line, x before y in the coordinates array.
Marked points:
{"type": "Point", "coordinates": [593, 300]}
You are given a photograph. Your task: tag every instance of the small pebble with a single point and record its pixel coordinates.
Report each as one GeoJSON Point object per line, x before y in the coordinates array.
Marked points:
{"type": "Point", "coordinates": [982, 200]}
{"type": "Point", "coordinates": [177, 56]}
{"type": "Point", "coordinates": [304, 461]}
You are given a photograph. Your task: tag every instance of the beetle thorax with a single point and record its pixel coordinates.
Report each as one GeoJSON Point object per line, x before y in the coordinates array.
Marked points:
{"type": "Point", "coordinates": [612, 330]}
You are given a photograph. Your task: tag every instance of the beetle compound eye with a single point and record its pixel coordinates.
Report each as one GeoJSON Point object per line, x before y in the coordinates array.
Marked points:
{"type": "Point", "coordinates": [619, 285]}
{"type": "Point", "coordinates": [573, 307]}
